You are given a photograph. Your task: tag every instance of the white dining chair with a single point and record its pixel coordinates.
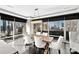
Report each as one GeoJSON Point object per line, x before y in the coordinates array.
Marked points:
{"type": "Point", "coordinates": [27, 39]}
{"type": "Point", "coordinates": [45, 34]}
{"type": "Point", "coordinates": [39, 43]}
{"type": "Point", "coordinates": [57, 45]}
{"type": "Point", "coordinates": [28, 42]}
{"type": "Point", "coordinates": [38, 33]}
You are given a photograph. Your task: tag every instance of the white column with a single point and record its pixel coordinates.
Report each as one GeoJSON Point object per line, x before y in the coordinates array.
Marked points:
{"type": "Point", "coordinates": [64, 29]}
{"type": "Point", "coordinates": [0, 29]}
{"type": "Point", "coordinates": [28, 25]}
{"type": "Point", "coordinates": [63, 50]}
{"type": "Point", "coordinates": [13, 32]}
{"type": "Point", "coordinates": [31, 28]}
{"type": "Point", "coordinates": [48, 27]}
{"type": "Point", "coordinates": [41, 26]}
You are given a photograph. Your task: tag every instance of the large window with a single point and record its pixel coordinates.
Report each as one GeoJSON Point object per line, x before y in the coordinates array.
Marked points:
{"type": "Point", "coordinates": [10, 28]}
{"type": "Point", "coordinates": [6, 29]}
{"type": "Point", "coordinates": [56, 27]}
{"type": "Point", "coordinates": [62, 25]}
{"type": "Point", "coordinates": [19, 27]}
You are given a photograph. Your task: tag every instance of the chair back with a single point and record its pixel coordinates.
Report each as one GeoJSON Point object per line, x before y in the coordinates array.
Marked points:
{"type": "Point", "coordinates": [60, 40]}
{"type": "Point", "coordinates": [27, 39]}
{"type": "Point", "coordinates": [38, 33]}
{"type": "Point", "coordinates": [57, 44]}
{"type": "Point", "coordinates": [38, 42]}
{"type": "Point", "coordinates": [45, 34]}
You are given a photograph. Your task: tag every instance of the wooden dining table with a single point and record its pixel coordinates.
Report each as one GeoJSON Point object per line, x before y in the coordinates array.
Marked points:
{"type": "Point", "coordinates": [48, 40]}
{"type": "Point", "coordinates": [45, 38]}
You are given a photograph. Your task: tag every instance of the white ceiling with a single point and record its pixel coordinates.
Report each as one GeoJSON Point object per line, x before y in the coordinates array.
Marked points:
{"type": "Point", "coordinates": [29, 10]}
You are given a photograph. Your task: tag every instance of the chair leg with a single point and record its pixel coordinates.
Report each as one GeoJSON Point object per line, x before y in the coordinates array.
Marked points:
{"type": "Point", "coordinates": [37, 50]}
{"type": "Point", "coordinates": [16, 52]}
{"type": "Point", "coordinates": [46, 51]}
{"type": "Point", "coordinates": [70, 50]}
{"type": "Point", "coordinates": [59, 52]}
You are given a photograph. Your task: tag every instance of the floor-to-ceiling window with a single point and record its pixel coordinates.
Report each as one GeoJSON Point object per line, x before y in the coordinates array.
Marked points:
{"type": "Point", "coordinates": [6, 29]}
{"type": "Point", "coordinates": [56, 27]}
{"type": "Point", "coordinates": [19, 29]}
{"type": "Point", "coordinates": [11, 28]}
{"type": "Point", "coordinates": [53, 26]}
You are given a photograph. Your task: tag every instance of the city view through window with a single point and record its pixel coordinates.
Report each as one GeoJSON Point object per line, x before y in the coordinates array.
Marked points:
{"type": "Point", "coordinates": [6, 29]}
